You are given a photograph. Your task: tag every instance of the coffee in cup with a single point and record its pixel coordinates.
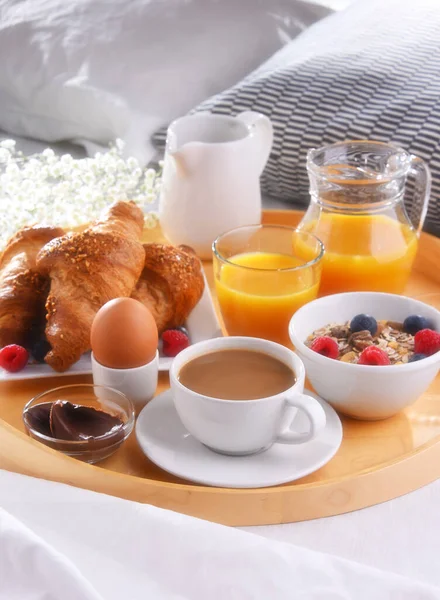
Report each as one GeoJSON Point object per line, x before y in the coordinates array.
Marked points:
{"type": "Point", "coordinates": [236, 374]}
{"type": "Point", "coordinates": [239, 395]}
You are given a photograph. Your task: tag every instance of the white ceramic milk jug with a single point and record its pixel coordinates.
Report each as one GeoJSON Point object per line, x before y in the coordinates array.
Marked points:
{"type": "Point", "coordinates": [211, 176]}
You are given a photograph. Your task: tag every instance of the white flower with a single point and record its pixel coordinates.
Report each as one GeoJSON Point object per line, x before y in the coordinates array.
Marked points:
{"type": "Point", "coordinates": [63, 188]}
{"type": "Point", "coordinates": [55, 170]}
{"type": "Point", "coordinates": [68, 192]}
{"type": "Point", "coordinates": [120, 164]}
{"type": "Point", "coordinates": [42, 173]}
{"type": "Point", "coordinates": [31, 166]}
{"type": "Point", "coordinates": [88, 178]}
{"type": "Point", "coordinates": [8, 144]}
{"type": "Point", "coordinates": [27, 186]}
{"type": "Point", "coordinates": [48, 153]}
{"type": "Point", "coordinates": [136, 174]}
{"type": "Point", "coordinates": [13, 170]}
{"type": "Point", "coordinates": [119, 145]}
{"type": "Point", "coordinates": [66, 160]}
{"type": "Point", "coordinates": [4, 155]}
{"type": "Point", "coordinates": [132, 164]}
{"type": "Point", "coordinates": [150, 197]}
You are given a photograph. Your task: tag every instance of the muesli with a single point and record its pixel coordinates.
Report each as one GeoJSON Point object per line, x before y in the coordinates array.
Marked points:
{"type": "Point", "coordinates": [388, 342]}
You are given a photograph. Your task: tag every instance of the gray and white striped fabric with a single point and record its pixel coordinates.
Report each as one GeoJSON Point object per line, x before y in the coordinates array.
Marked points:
{"type": "Point", "coordinates": [371, 71]}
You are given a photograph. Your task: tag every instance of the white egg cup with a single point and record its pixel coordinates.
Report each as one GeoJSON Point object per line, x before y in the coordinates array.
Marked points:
{"type": "Point", "coordinates": [138, 384]}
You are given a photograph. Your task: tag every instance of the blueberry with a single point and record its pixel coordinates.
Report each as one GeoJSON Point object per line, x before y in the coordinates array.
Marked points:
{"type": "Point", "coordinates": [415, 323]}
{"type": "Point", "coordinates": [34, 334]}
{"type": "Point", "coordinates": [363, 323]}
{"type": "Point", "coordinates": [183, 330]}
{"type": "Point", "coordinates": [416, 357]}
{"type": "Point", "coordinates": [39, 350]}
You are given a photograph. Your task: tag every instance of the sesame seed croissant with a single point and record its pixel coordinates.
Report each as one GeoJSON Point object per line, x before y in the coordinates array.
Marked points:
{"type": "Point", "coordinates": [87, 270]}
{"type": "Point", "coordinates": [23, 289]}
{"type": "Point", "coordinates": [170, 285]}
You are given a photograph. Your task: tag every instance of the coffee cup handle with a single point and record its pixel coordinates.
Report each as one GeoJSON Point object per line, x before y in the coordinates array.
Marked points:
{"type": "Point", "coordinates": [315, 414]}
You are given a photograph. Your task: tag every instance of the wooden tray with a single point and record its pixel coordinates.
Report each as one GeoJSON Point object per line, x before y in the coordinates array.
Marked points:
{"type": "Point", "coordinates": [376, 462]}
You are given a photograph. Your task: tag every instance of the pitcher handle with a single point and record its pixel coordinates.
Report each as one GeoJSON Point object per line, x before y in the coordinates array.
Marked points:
{"type": "Point", "coordinates": [261, 126]}
{"type": "Point", "coordinates": [422, 192]}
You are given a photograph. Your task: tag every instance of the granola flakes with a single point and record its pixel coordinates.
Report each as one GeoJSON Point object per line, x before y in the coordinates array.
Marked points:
{"type": "Point", "coordinates": [390, 337]}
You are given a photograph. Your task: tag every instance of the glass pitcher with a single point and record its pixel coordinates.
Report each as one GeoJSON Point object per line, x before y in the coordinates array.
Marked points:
{"type": "Point", "coordinates": [357, 210]}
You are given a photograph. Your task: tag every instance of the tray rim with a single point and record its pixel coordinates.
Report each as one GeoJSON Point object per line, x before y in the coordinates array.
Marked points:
{"type": "Point", "coordinates": [344, 487]}
{"type": "Point", "coordinates": [340, 492]}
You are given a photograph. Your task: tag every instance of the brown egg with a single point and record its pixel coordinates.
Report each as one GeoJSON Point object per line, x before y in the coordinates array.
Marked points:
{"type": "Point", "coordinates": [124, 334]}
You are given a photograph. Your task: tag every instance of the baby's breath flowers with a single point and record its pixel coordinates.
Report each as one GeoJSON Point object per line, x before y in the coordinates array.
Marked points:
{"type": "Point", "coordinates": [60, 190]}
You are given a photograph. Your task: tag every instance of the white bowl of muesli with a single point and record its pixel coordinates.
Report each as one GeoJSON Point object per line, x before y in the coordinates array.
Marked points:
{"type": "Point", "coordinates": [369, 354]}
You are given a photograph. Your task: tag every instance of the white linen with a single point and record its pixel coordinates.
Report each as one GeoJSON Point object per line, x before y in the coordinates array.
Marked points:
{"type": "Point", "coordinates": [31, 146]}
{"type": "Point", "coordinates": [59, 542]}
{"type": "Point", "coordinates": [401, 536]}
{"type": "Point", "coordinates": [93, 71]}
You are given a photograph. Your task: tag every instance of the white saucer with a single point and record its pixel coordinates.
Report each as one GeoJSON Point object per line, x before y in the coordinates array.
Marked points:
{"type": "Point", "coordinates": [165, 441]}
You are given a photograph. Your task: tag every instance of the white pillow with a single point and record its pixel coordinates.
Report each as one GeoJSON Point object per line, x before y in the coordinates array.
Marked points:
{"type": "Point", "coordinates": [91, 71]}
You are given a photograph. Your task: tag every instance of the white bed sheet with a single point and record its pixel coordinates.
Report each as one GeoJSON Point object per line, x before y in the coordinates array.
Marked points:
{"type": "Point", "coordinates": [59, 542]}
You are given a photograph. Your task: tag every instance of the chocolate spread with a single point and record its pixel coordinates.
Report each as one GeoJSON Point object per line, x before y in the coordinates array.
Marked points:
{"type": "Point", "coordinates": [66, 421]}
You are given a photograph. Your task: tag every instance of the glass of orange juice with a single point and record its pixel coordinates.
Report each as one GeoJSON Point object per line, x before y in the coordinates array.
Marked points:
{"type": "Point", "coordinates": [263, 274]}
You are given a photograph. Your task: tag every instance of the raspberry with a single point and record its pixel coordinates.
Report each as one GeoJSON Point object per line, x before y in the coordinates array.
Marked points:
{"type": "Point", "coordinates": [326, 346]}
{"type": "Point", "coordinates": [174, 341]}
{"type": "Point", "coordinates": [427, 342]}
{"type": "Point", "coordinates": [13, 358]}
{"type": "Point", "coordinates": [363, 323]}
{"type": "Point", "coordinates": [373, 356]}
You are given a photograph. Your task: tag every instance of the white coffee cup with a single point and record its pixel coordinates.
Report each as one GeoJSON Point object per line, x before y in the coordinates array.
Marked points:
{"type": "Point", "coordinates": [240, 427]}
{"type": "Point", "coordinates": [138, 384]}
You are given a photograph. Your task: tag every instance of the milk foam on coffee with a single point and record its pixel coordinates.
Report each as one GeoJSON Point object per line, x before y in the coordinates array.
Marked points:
{"type": "Point", "coordinates": [237, 374]}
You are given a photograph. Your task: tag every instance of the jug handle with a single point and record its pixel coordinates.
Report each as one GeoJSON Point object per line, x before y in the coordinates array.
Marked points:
{"type": "Point", "coordinates": [422, 192]}
{"type": "Point", "coordinates": [262, 128]}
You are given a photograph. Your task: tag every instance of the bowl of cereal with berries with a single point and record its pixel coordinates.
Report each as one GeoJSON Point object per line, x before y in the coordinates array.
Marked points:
{"type": "Point", "coordinates": [369, 354]}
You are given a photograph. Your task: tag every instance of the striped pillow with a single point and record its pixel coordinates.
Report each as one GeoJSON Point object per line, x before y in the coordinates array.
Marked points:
{"type": "Point", "coordinates": [371, 71]}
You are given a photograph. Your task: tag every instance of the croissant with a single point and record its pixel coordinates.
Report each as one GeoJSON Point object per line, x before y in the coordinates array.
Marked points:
{"type": "Point", "coordinates": [87, 270]}
{"type": "Point", "coordinates": [170, 285]}
{"type": "Point", "coordinates": [23, 289]}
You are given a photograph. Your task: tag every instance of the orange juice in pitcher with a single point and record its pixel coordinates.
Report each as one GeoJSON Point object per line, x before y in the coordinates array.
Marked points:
{"type": "Point", "coordinates": [357, 210]}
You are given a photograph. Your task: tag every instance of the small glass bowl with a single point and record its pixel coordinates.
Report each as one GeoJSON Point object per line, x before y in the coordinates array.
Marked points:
{"type": "Point", "coordinates": [95, 396]}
